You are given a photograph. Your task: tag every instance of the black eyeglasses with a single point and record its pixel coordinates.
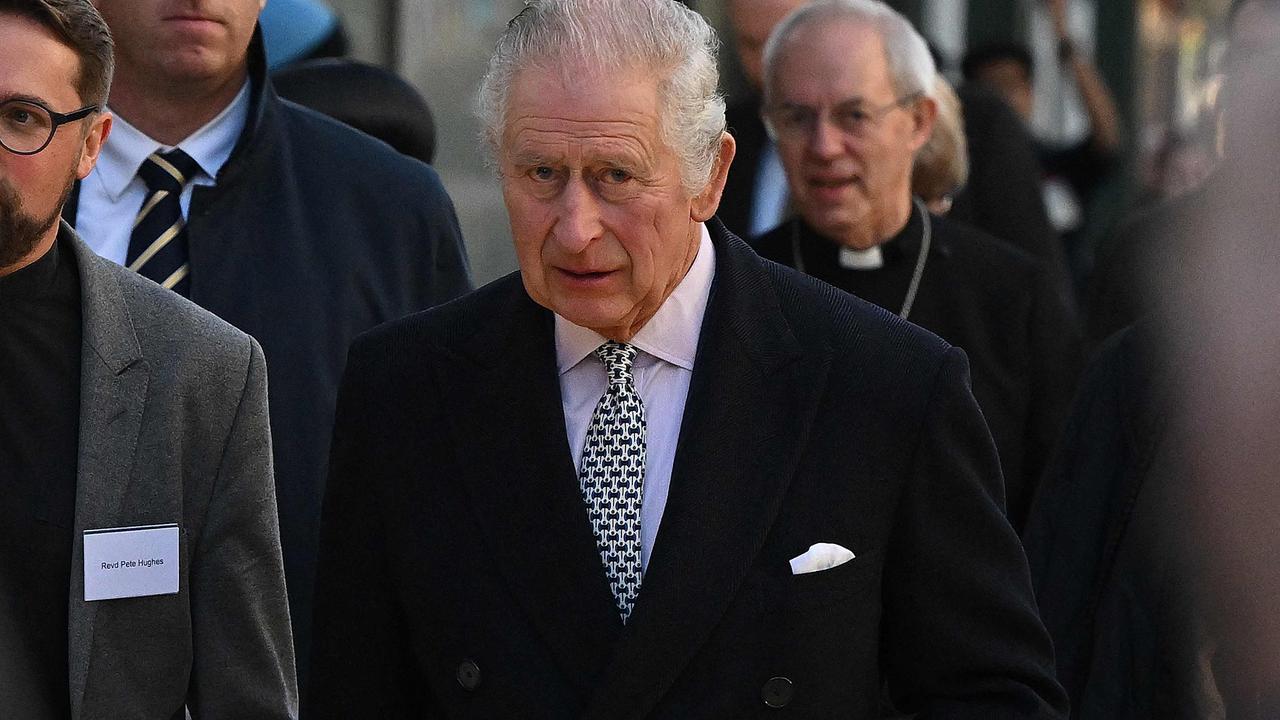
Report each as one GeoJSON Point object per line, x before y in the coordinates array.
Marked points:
{"type": "Point", "coordinates": [27, 127]}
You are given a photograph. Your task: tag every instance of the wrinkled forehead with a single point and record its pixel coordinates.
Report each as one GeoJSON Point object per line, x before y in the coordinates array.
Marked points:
{"type": "Point", "coordinates": [582, 98]}
{"type": "Point", "coordinates": [836, 57]}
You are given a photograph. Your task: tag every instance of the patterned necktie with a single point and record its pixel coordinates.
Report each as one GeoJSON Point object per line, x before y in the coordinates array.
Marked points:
{"type": "Point", "coordinates": [612, 476]}
{"type": "Point", "coordinates": [158, 245]}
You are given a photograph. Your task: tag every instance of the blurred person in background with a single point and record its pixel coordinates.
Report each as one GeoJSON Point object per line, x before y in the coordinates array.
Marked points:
{"type": "Point", "coordinates": [140, 568]}
{"type": "Point", "coordinates": [755, 196]}
{"type": "Point", "coordinates": [290, 226]}
{"type": "Point", "coordinates": [1147, 259]}
{"type": "Point", "coordinates": [1074, 173]}
{"type": "Point", "coordinates": [1002, 196]}
{"type": "Point", "coordinates": [1153, 543]}
{"type": "Point", "coordinates": [850, 103]}
{"type": "Point", "coordinates": [941, 167]}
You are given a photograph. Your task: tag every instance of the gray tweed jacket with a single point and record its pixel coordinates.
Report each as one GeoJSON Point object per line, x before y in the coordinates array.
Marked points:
{"type": "Point", "coordinates": [173, 429]}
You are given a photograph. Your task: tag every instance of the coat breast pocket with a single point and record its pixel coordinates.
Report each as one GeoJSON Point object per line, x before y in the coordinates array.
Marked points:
{"type": "Point", "coordinates": [834, 586]}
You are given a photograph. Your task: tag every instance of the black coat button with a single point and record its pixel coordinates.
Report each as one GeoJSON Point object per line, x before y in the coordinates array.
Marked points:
{"type": "Point", "coordinates": [469, 675]}
{"type": "Point", "coordinates": [777, 692]}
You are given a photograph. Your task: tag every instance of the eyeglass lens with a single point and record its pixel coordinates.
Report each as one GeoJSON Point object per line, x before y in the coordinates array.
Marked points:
{"type": "Point", "coordinates": [24, 127]}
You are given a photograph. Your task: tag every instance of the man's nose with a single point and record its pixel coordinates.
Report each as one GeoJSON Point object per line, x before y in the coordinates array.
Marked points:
{"type": "Point", "coordinates": [579, 218]}
{"type": "Point", "coordinates": [825, 140]}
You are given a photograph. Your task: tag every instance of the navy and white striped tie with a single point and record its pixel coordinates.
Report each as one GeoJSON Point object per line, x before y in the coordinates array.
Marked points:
{"type": "Point", "coordinates": [612, 475]}
{"type": "Point", "coordinates": [158, 244]}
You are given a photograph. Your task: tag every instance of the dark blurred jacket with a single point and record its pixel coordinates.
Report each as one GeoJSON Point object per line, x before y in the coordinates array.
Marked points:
{"type": "Point", "coordinates": [1135, 578]}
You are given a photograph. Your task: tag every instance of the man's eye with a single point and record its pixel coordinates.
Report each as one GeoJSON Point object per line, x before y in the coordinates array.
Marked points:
{"type": "Point", "coordinates": [542, 173]}
{"type": "Point", "coordinates": [616, 176]}
{"type": "Point", "coordinates": [794, 118]}
{"type": "Point", "coordinates": [853, 119]}
{"type": "Point", "coordinates": [17, 116]}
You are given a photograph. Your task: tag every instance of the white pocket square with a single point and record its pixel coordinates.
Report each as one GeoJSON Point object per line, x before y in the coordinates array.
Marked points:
{"type": "Point", "coordinates": [822, 556]}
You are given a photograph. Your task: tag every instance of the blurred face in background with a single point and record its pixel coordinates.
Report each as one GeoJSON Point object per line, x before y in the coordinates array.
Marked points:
{"type": "Point", "coordinates": [604, 228]}
{"type": "Point", "coordinates": [846, 139]}
{"type": "Point", "coordinates": [752, 21]}
{"type": "Point", "coordinates": [1010, 79]}
{"type": "Point", "coordinates": [172, 42]}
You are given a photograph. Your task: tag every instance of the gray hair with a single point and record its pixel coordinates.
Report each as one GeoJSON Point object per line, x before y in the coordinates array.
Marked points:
{"type": "Point", "coordinates": [911, 67]}
{"type": "Point", "coordinates": [662, 37]}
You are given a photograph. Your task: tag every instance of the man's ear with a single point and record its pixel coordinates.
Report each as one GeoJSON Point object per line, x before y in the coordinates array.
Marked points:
{"type": "Point", "coordinates": [924, 113]}
{"type": "Point", "coordinates": [99, 129]}
{"type": "Point", "coordinates": [706, 202]}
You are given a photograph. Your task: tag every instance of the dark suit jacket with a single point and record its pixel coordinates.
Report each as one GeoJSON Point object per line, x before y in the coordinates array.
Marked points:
{"type": "Point", "coordinates": [455, 537]}
{"type": "Point", "coordinates": [994, 302]}
{"type": "Point", "coordinates": [173, 429]}
{"type": "Point", "coordinates": [313, 234]}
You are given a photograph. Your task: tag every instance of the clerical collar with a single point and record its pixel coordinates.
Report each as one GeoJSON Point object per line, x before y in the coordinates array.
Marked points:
{"type": "Point", "coordinates": [916, 235]}
{"type": "Point", "coordinates": [854, 259]}
{"type": "Point", "coordinates": [823, 251]}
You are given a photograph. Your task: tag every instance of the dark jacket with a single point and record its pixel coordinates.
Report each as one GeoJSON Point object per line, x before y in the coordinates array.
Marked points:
{"type": "Point", "coordinates": [992, 301]}
{"type": "Point", "coordinates": [1152, 548]}
{"type": "Point", "coordinates": [460, 576]}
{"type": "Point", "coordinates": [314, 233]}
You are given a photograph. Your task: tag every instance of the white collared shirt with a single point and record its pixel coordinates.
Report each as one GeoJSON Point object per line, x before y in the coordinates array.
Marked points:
{"type": "Point", "coordinates": [663, 368]}
{"type": "Point", "coordinates": [112, 195]}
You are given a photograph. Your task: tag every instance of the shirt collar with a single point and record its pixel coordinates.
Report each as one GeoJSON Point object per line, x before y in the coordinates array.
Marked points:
{"type": "Point", "coordinates": [670, 335]}
{"type": "Point", "coordinates": [210, 146]}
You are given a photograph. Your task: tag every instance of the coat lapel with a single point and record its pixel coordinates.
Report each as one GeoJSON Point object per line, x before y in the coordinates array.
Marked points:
{"type": "Point", "coordinates": [750, 405]}
{"type": "Point", "coordinates": [519, 475]}
{"type": "Point", "coordinates": [113, 393]}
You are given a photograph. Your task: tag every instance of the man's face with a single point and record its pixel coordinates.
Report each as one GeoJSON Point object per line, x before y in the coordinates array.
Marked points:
{"type": "Point", "coordinates": [752, 21]}
{"type": "Point", "coordinates": [179, 41]}
{"type": "Point", "coordinates": [603, 228]}
{"type": "Point", "coordinates": [36, 66]}
{"type": "Point", "coordinates": [849, 165]}
{"type": "Point", "coordinates": [1010, 80]}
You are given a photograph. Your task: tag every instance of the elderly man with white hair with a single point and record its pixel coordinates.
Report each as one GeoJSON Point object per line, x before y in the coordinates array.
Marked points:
{"type": "Point", "coordinates": [850, 98]}
{"type": "Point", "coordinates": [652, 475]}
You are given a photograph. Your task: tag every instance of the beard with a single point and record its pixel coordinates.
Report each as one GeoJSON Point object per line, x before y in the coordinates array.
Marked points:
{"type": "Point", "coordinates": [20, 232]}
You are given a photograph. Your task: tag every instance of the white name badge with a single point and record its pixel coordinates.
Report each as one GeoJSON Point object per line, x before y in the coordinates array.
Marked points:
{"type": "Point", "coordinates": [130, 562]}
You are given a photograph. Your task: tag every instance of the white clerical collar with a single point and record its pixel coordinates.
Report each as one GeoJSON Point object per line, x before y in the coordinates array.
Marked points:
{"type": "Point", "coordinates": [210, 146]}
{"type": "Point", "coordinates": [670, 335]}
{"type": "Point", "coordinates": [855, 259]}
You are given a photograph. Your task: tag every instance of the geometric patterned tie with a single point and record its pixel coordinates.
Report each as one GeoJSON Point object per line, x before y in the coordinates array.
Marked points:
{"type": "Point", "coordinates": [612, 476]}
{"type": "Point", "coordinates": [158, 244]}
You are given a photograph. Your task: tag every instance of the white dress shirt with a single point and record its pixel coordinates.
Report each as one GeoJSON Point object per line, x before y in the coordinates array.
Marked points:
{"type": "Point", "coordinates": [112, 195]}
{"type": "Point", "coordinates": [667, 345]}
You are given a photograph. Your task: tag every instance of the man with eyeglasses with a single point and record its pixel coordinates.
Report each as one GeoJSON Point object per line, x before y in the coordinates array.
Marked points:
{"type": "Point", "coordinates": [140, 565]}
{"type": "Point", "coordinates": [849, 100]}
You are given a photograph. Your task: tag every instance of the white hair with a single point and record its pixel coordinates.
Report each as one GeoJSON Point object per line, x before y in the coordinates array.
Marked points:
{"type": "Point", "coordinates": [662, 38]}
{"type": "Point", "coordinates": [911, 68]}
